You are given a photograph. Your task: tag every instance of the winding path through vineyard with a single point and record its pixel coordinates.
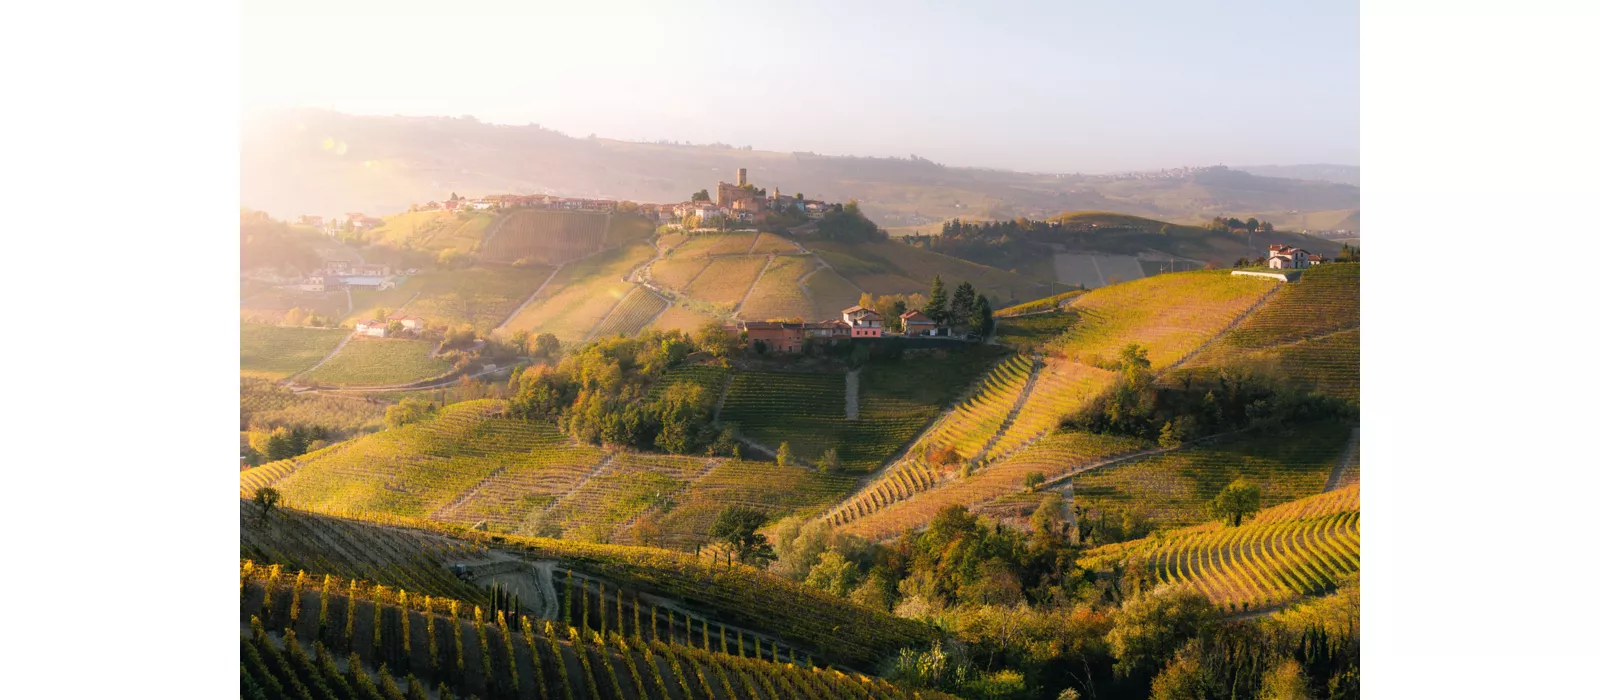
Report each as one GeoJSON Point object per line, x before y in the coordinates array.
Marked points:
{"type": "Point", "coordinates": [852, 394]}
{"type": "Point", "coordinates": [1344, 460]}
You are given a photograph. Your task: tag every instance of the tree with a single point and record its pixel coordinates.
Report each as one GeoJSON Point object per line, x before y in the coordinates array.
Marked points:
{"type": "Point", "coordinates": [1266, 226]}
{"type": "Point", "coordinates": [1183, 678]}
{"type": "Point", "coordinates": [1151, 626]}
{"type": "Point", "coordinates": [866, 301]}
{"type": "Point", "coordinates": [266, 499]}
{"type": "Point", "coordinates": [961, 303]}
{"type": "Point", "coordinates": [1251, 224]}
{"type": "Point", "coordinates": [1239, 499]}
{"type": "Point", "coordinates": [1032, 480]}
{"type": "Point", "coordinates": [713, 338]}
{"type": "Point", "coordinates": [737, 526]}
{"type": "Point", "coordinates": [410, 410]}
{"type": "Point", "coordinates": [519, 340]}
{"type": "Point", "coordinates": [834, 574]}
{"type": "Point", "coordinates": [981, 317]}
{"type": "Point", "coordinates": [1286, 681]}
{"type": "Point", "coordinates": [701, 196]}
{"type": "Point", "coordinates": [394, 328]}
{"type": "Point", "coordinates": [829, 462]}
{"type": "Point", "coordinates": [546, 345]}
{"type": "Point", "coordinates": [892, 318]}
{"type": "Point", "coordinates": [937, 307]}
{"type": "Point", "coordinates": [785, 456]}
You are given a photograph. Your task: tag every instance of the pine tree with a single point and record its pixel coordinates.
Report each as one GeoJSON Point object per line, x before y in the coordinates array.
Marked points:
{"type": "Point", "coordinates": [962, 303]}
{"type": "Point", "coordinates": [937, 306]}
{"type": "Point", "coordinates": [981, 316]}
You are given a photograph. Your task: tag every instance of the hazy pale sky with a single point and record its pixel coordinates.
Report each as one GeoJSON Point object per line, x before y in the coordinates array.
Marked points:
{"type": "Point", "coordinates": [1057, 86]}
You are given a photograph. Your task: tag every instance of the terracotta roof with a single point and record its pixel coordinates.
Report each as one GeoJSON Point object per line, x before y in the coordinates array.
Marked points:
{"type": "Point", "coordinates": [856, 308]}
{"type": "Point", "coordinates": [915, 315]}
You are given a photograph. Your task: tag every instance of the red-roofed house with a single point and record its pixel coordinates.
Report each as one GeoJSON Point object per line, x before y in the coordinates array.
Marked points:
{"type": "Point", "coordinates": [917, 323]}
{"type": "Point", "coordinates": [373, 328]}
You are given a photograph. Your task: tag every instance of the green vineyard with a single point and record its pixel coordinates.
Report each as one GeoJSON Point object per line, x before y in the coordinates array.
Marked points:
{"type": "Point", "coordinates": [1175, 489]}
{"type": "Point", "coordinates": [264, 405]}
{"type": "Point", "coordinates": [1325, 300]}
{"type": "Point", "coordinates": [632, 314]}
{"type": "Point", "coordinates": [546, 237]}
{"type": "Point", "coordinates": [1030, 331]}
{"type": "Point", "coordinates": [1299, 549]}
{"type": "Point", "coordinates": [970, 428]}
{"type": "Point", "coordinates": [479, 297]}
{"type": "Point", "coordinates": [581, 295]}
{"type": "Point", "coordinates": [711, 378]}
{"type": "Point", "coordinates": [379, 362]}
{"type": "Point", "coordinates": [775, 490]}
{"type": "Point", "coordinates": [275, 352]}
{"type": "Point", "coordinates": [803, 409]}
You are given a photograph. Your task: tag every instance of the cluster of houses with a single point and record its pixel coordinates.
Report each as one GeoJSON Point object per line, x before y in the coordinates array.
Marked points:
{"type": "Point", "coordinates": [1282, 257]}
{"type": "Point", "coordinates": [854, 322]}
{"type": "Point", "coordinates": [374, 328]}
{"type": "Point", "coordinates": [340, 274]}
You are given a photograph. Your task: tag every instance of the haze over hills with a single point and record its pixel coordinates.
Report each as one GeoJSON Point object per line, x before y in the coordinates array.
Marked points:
{"type": "Point", "coordinates": [327, 163]}
{"type": "Point", "coordinates": [1340, 174]}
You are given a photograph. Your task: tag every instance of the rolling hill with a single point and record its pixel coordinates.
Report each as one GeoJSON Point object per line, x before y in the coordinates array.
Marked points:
{"type": "Point", "coordinates": [388, 163]}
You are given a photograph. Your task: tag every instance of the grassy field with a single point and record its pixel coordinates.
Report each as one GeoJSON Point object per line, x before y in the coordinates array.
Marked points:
{"type": "Point", "coordinates": [432, 230]}
{"type": "Point", "coordinates": [1176, 488]}
{"type": "Point", "coordinates": [1169, 315]}
{"type": "Point", "coordinates": [726, 280]}
{"type": "Point", "coordinates": [546, 237]}
{"type": "Point", "coordinates": [581, 295]}
{"type": "Point", "coordinates": [778, 293]}
{"type": "Point", "coordinates": [635, 312]}
{"type": "Point", "coordinates": [379, 362]}
{"type": "Point", "coordinates": [275, 352]}
{"type": "Point", "coordinates": [479, 297]}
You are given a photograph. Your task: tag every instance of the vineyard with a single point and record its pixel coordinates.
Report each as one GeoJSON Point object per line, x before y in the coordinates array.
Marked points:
{"type": "Point", "coordinates": [411, 558]}
{"type": "Point", "coordinates": [772, 243]}
{"type": "Point", "coordinates": [1175, 489]}
{"type": "Point", "coordinates": [632, 314]}
{"type": "Point", "coordinates": [478, 297]}
{"type": "Point", "coordinates": [775, 490]}
{"type": "Point", "coordinates": [1169, 315]}
{"type": "Point", "coordinates": [581, 295]}
{"type": "Point", "coordinates": [264, 405]}
{"type": "Point", "coordinates": [1031, 331]}
{"type": "Point", "coordinates": [803, 409]}
{"type": "Point", "coordinates": [1039, 305]}
{"type": "Point", "coordinates": [275, 352]}
{"type": "Point", "coordinates": [680, 318]}
{"type": "Point", "coordinates": [708, 377]}
{"type": "Point", "coordinates": [1060, 389]}
{"type": "Point", "coordinates": [970, 428]}
{"type": "Point", "coordinates": [726, 280]}
{"type": "Point", "coordinates": [889, 267]}
{"type": "Point", "coordinates": [375, 362]}
{"type": "Point", "coordinates": [270, 306]}
{"type": "Point", "coordinates": [896, 504]}
{"type": "Point", "coordinates": [431, 230]}
{"type": "Point", "coordinates": [677, 271]}
{"type": "Point", "coordinates": [546, 237]}
{"type": "Point", "coordinates": [778, 293]}
{"type": "Point", "coordinates": [627, 484]}
{"type": "Point", "coordinates": [830, 291]}
{"type": "Point", "coordinates": [393, 637]}
{"type": "Point", "coordinates": [1326, 299]}
{"type": "Point", "coordinates": [1298, 549]}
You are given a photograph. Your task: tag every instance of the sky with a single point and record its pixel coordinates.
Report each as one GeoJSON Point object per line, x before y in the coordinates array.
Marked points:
{"type": "Point", "coordinates": [1060, 86]}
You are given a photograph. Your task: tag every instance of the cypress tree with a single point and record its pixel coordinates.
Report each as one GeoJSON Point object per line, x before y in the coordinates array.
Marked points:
{"type": "Point", "coordinates": [937, 306]}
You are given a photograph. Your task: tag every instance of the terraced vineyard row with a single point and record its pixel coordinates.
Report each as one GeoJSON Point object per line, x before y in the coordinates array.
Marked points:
{"type": "Point", "coordinates": [1170, 315]}
{"type": "Point", "coordinates": [632, 314]}
{"type": "Point", "coordinates": [435, 642]}
{"type": "Point", "coordinates": [1062, 388]}
{"type": "Point", "coordinates": [1340, 500]}
{"type": "Point", "coordinates": [626, 486]}
{"type": "Point", "coordinates": [481, 297]}
{"type": "Point", "coordinates": [1326, 299]}
{"type": "Point", "coordinates": [803, 409]}
{"type": "Point", "coordinates": [886, 515]}
{"type": "Point", "coordinates": [264, 404]}
{"type": "Point", "coordinates": [1295, 552]}
{"type": "Point", "coordinates": [581, 294]}
{"type": "Point", "coordinates": [970, 426]}
{"type": "Point", "coordinates": [379, 362]}
{"type": "Point", "coordinates": [1176, 488]}
{"type": "Point", "coordinates": [773, 243]}
{"type": "Point", "coordinates": [677, 272]}
{"type": "Point", "coordinates": [275, 352]}
{"type": "Point", "coordinates": [708, 377]}
{"type": "Point", "coordinates": [548, 237]}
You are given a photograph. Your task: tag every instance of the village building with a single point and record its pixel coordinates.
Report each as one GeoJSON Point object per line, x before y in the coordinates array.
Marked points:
{"type": "Point", "coordinates": [863, 322]}
{"type": "Point", "coordinates": [410, 323]}
{"type": "Point", "coordinates": [776, 336]}
{"type": "Point", "coordinates": [1282, 257]}
{"type": "Point", "coordinates": [914, 322]}
{"type": "Point", "coordinates": [314, 283]}
{"type": "Point", "coordinates": [372, 328]}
